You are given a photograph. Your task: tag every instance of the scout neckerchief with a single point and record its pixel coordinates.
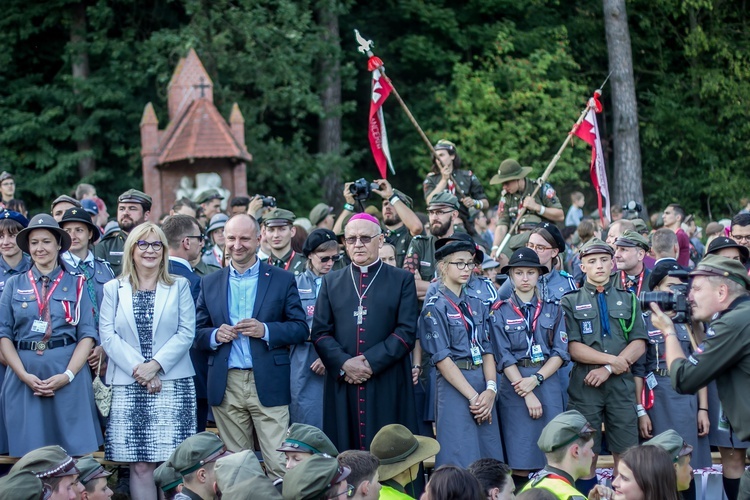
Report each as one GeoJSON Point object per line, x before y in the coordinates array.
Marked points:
{"type": "Point", "coordinates": [467, 317]}
{"type": "Point", "coordinates": [530, 321]}
{"type": "Point", "coordinates": [640, 282]}
{"type": "Point", "coordinates": [90, 288]}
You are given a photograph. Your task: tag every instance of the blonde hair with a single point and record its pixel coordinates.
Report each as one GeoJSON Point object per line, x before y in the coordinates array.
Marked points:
{"type": "Point", "coordinates": [128, 264]}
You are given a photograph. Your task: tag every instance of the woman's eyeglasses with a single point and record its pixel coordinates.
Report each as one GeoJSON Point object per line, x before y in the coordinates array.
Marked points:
{"type": "Point", "coordinates": [463, 265]}
{"type": "Point", "coordinates": [537, 248]}
{"type": "Point", "coordinates": [143, 245]}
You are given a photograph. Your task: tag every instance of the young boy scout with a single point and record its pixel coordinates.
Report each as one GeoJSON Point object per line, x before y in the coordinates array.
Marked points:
{"type": "Point", "coordinates": [606, 335]}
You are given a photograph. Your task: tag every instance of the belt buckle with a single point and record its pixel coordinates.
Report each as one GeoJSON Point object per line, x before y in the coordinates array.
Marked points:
{"type": "Point", "coordinates": [38, 345]}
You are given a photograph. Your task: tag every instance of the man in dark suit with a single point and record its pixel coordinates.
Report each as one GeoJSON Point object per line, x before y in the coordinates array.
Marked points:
{"type": "Point", "coordinates": [248, 314]}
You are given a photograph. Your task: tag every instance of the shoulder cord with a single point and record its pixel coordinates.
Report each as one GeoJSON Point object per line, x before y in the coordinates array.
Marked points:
{"type": "Point", "coordinates": [627, 329]}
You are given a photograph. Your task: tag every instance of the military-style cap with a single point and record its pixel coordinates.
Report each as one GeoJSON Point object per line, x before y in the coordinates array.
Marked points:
{"type": "Point", "coordinates": [661, 270]}
{"type": "Point", "coordinates": [5, 175]}
{"type": "Point", "coordinates": [80, 215]}
{"type": "Point", "coordinates": [640, 226]}
{"type": "Point", "coordinates": [445, 145]}
{"type": "Point", "coordinates": [135, 196]}
{"type": "Point", "coordinates": [632, 239]}
{"type": "Point", "coordinates": [42, 221]}
{"type": "Point", "coordinates": [319, 212]}
{"type": "Point", "coordinates": [236, 468]}
{"type": "Point", "coordinates": [90, 469]}
{"type": "Point", "coordinates": [278, 217]}
{"type": "Point", "coordinates": [14, 216]}
{"type": "Point", "coordinates": [529, 221]}
{"type": "Point", "coordinates": [48, 461]}
{"type": "Point", "coordinates": [458, 242]}
{"type": "Point", "coordinates": [524, 257]}
{"type": "Point", "coordinates": [111, 227]}
{"type": "Point", "coordinates": [310, 479]}
{"type": "Point", "coordinates": [217, 222]}
{"type": "Point", "coordinates": [714, 228]}
{"type": "Point", "coordinates": [714, 265]}
{"type": "Point", "coordinates": [671, 442]}
{"type": "Point", "coordinates": [307, 439]}
{"type": "Point", "coordinates": [489, 263]}
{"type": "Point", "coordinates": [315, 239]}
{"type": "Point", "coordinates": [563, 430]}
{"type": "Point", "coordinates": [90, 206]}
{"type": "Point", "coordinates": [166, 478]}
{"type": "Point", "coordinates": [510, 170]}
{"type": "Point", "coordinates": [595, 245]}
{"type": "Point", "coordinates": [252, 489]}
{"type": "Point", "coordinates": [398, 449]}
{"type": "Point", "coordinates": [405, 198]}
{"type": "Point", "coordinates": [65, 199]}
{"type": "Point", "coordinates": [196, 451]}
{"type": "Point", "coordinates": [23, 485]}
{"type": "Point", "coordinates": [724, 242]}
{"type": "Point", "coordinates": [208, 195]}
{"type": "Point", "coordinates": [555, 233]}
{"type": "Point", "coordinates": [444, 198]}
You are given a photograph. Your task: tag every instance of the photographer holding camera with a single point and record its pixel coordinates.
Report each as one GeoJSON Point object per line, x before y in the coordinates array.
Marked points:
{"type": "Point", "coordinates": [718, 295]}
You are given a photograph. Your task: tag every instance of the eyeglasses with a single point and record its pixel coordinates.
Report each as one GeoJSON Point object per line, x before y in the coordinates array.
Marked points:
{"type": "Point", "coordinates": [430, 213]}
{"type": "Point", "coordinates": [199, 237]}
{"type": "Point", "coordinates": [463, 265]}
{"type": "Point", "coordinates": [741, 237]}
{"type": "Point", "coordinates": [352, 240]}
{"type": "Point", "coordinates": [537, 248]}
{"type": "Point", "coordinates": [155, 245]}
{"type": "Point", "coordinates": [334, 258]}
{"type": "Point", "coordinates": [349, 491]}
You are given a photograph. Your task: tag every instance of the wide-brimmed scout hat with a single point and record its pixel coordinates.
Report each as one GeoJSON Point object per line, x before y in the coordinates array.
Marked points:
{"type": "Point", "coordinates": [81, 215]}
{"type": "Point", "coordinates": [524, 257]}
{"type": "Point", "coordinates": [510, 170]}
{"type": "Point", "coordinates": [42, 221]}
{"type": "Point", "coordinates": [398, 450]}
{"type": "Point", "coordinates": [724, 242]}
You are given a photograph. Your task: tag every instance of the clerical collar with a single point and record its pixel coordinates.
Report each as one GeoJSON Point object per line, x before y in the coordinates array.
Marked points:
{"type": "Point", "coordinates": [367, 269]}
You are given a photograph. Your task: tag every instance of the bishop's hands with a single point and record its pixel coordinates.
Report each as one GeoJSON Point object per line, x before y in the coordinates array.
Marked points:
{"type": "Point", "coordinates": [357, 370]}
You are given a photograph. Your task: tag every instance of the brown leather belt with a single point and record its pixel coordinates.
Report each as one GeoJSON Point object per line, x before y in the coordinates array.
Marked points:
{"type": "Point", "coordinates": [526, 363]}
{"type": "Point", "coordinates": [466, 364]}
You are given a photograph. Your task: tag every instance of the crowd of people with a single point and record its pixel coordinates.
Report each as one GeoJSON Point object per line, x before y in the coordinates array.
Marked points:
{"type": "Point", "coordinates": [489, 336]}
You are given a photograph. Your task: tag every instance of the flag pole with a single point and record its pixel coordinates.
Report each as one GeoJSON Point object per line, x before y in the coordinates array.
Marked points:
{"type": "Point", "coordinates": [365, 47]}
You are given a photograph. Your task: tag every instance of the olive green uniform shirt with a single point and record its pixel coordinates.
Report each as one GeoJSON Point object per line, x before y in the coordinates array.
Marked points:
{"type": "Point", "coordinates": [293, 262]}
{"type": "Point", "coordinates": [420, 257]}
{"type": "Point", "coordinates": [507, 209]}
{"type": "Point", "coordinates": [467, 183]}
{"type": "Point", "coordinates": [401, 239]}
{"type": "Point", "coordinates": [111, 249]}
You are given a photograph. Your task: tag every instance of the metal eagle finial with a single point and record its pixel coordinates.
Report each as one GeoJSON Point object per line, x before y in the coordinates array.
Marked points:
{"type": "Point", "coordinates": [365, 46]}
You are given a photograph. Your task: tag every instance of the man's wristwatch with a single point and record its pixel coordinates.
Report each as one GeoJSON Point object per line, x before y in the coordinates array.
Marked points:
{"type": "Point", "coordinates": [539, 378]}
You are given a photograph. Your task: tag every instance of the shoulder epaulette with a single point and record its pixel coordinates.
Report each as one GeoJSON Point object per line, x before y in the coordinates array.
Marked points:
{"type": "Point", "coordinates": [431, 300]}
{"type": "Point", "coordinates": [420, 237]}
{"type": "Point", "coordinates": [575, 290]}
{"type": "Point", "coordinates": [496, 305]}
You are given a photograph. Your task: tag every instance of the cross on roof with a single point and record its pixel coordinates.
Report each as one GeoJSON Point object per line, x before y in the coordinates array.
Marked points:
{"type": "Point", "coordinates": [202, 86]}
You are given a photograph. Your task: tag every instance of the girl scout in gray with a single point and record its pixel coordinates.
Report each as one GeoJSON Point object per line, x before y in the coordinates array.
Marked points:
{"type": "Point", "coordinates": [453, 331]}
{"type": "Point", "coordinates": [530, 343]}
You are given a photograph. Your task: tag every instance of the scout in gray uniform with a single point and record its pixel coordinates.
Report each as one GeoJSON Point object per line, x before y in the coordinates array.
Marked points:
{"type": "Point", "coordinates": [133, 208]}
{"type": "Point", "coordinates": [530, 344]}
{"type": "Point", "coordinates": [517, 193]}
{"type": "Point", "coordinates": [454, 331]}
{"type": "Point", "coordinates": [607, 336]}
{"type": "Point", "coordinates": [660, 407]}
{"type": "Point", "coordinates": [446, 176]}
{"type": "Point", "coordinates": [278, 229]}
{"type": "Point", "coordinates": [719, 295]}
{"type": "Point", "coordinates": [307, 371]}
{"type": "Point", "coordinates": [214, 256]}
{"type": "Point", "coordinates": [46, 333]}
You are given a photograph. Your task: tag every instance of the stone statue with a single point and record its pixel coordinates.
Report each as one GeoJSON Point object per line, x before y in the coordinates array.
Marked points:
{"type": "Point", "coordinates": [186, 188]}
{"type": "Point", "coordinates": [211, 180]}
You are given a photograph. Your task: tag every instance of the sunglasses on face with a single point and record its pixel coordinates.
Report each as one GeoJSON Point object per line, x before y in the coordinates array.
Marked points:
{"type": "Point", "coordinates": [328, 258]}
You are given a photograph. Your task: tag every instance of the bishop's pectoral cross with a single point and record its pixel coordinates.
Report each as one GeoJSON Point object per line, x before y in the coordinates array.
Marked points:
{"type": "Point", "coordinates": [360, 313]}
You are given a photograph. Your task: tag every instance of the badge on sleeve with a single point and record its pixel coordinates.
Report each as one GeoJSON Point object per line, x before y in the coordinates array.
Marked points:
{"type": "Point", "coordinates": [587, 328]}
{"type": "Point", "coordinates": [564, 337]}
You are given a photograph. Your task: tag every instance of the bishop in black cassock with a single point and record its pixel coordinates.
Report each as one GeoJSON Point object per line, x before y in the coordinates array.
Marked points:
{"type": "Point", "coordinates": [366, 316]}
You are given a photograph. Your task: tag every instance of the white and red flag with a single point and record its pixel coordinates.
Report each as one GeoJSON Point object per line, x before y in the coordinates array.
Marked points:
{"type": "Point", "coordinates": [381, 89]}
{"type": "Point", "coordinates": [588, 131]}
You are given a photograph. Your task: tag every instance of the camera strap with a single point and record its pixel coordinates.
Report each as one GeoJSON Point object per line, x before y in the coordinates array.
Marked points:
{"type": "Point", "coordinates": [627, 329]}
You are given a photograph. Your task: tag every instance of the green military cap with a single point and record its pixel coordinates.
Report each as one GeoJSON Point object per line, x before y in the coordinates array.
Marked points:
{"type": "Point", "coordinates": [236, 468]}
{"type": "Point", "coordinates": [64, 198]}
{"type": "Point", "coordinates": [90, 469]}
{"type": "Point", "coordinates": [48, 461]}
{"type": "Point", "coordinates": [135, 196]}
{"type": "Point", "coordinates": [446, 145]}
{"type": "Point", "coordinates": [307, 439]}
{"type": "Point", "coordinates": [716, 265]}
{"type": "Point", "coordinates": [23, 485]}
{"type": "Point", "coordinates": [166, 478]}
{"type": "Point", "coordinates": [310, 479]}
{"type": "Point", "coordinates": [255, 488]}
{"type": "Point", "coordinates": [529, 221]}
{"type": "Point", "coordinates": [196, 451]}
{"type": "Point", "coordinates": [278, 217]}
{"type": "Point", "coordinates": [563, 430]}
{"type": "Point", "coordinates": [403, 197]}
{"type": "Point", "coordinates": [319, 212]}
{"type": "Point", "coordinates": [595, 245]}
{"type": "Point", "coordinates": [444, 198]}
{"type": "Point", "coordinates": [672, 443]}
{"type": "Point", "coordinates": [640, 226]}
{"type": "Point", "coordinates": [208, 195]}
{"type": "Point", "coordinates": [632, 239]}
{"type": "Point", "coordinates": [510, 170]}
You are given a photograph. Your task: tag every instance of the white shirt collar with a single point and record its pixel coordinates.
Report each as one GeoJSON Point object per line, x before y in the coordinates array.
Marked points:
{"type": "Point", "coordinates": [74, 260]}
{"type": "Point", "coordinates": [181, 261]}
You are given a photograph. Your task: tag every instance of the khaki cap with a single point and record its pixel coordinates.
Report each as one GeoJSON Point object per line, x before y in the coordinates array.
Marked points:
{"type": "Point", "coordinates": [196, 451]}
{"type": "Point", "coordinates": [166, 477]}
{"type": "Point", "coordinates": [48, 461]}
{"type": "Point", "coordinates": [444, 198]}
{"type": "Point", "coordinates": [632, 239]}
{"type": "Point", "coordinates": [310, 479]}
{"type": "Point", "coordinates": [307, 439]}
{"type": "Point", "coordinates": [319, 212]}
{"type": "Point", "coordinates": [510, 170]}
{"type": "Point", "coordinates": [90, 469]}
{"type": "Point", "coordinates": [23, 485]}
{"type": "Point", "coordinates": [208, 195]}
{"type": "Point", "coordinates": [724, 267]}
{"type": "Point", "coordinates": [593, 246]}
{"type": "Point", "coordinates": [278, 217]}
{"type": "Point", "coordinates": [135, 196]}
{"type": "Point", "coordinates": [563, 430]}
{"type": "Point", "coordinates": [672, 443]}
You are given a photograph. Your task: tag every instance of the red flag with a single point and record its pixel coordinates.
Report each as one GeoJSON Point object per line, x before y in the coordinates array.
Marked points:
{"type": "Point", "coordinates": [381, 89]}
{"type": "Point", "coordinates": [588, 131]}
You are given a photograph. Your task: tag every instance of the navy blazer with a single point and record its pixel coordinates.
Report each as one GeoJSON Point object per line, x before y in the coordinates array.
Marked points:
{"type": "Point", "coordinates": [179, 269]}
{"type": "Point", "coordinates": [277, 304]}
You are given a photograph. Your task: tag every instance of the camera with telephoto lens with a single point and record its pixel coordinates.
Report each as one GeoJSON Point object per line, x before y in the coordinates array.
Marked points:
{"type": "Point", "coordinates": [268, 201]}
{"type": "Point", "coordinates": [361, 189]}
{"type": "Point", "coordinates": [676, 300]}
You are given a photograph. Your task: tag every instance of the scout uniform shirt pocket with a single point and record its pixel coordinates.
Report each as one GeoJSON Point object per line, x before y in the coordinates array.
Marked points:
{"type": "Point", "coordinates": [587, 321]}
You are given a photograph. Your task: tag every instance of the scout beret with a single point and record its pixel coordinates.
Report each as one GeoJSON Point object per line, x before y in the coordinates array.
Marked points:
{"type": "Point", "coordinates": [14, 216]}
{"type": "Point", "coordinates": [553, 231]}
{"type": "Point", "coordinates": [315, 239]}
{"type": "Point", "coordinates": [308, 439]}
{"type": "Point", "coordinates": [48, 461]}
{"type": "Point", "coordinates": [403, 197]}
{"type": "Point", "coordinates": [319, 212]}
{"type": "Point", "coordinates": [278, 217]}
{"type": "Point", "coordinates": [444, 198]}
{"type": "Point", "coordinates": [236, 468]}
{"type": "Point", "coordinates": [42, 221]}
{"type": "Point", "coordinates": [661, 270]}
{"type": "Point", "coordinates": [632, 239]}
{"type": "Point", "coordinates": [90, 206]}
{"type": "Point", "coordinates": [166, 478]}
{"type": "Point", "coordinates": [724, 242]}
{"type": "Point", "coordinates": [23, 485]}
{"type": "Point", "coordinates": [217, 222]}
{"type": "Point", "coordinates": [65, 199]}
{"type": "Point", "coordinates": [5, 175]}
{"type": "Point", "coordinates": [313, 477]}
{"type": "Point", "coordinates": [524, 257]}
{"type": "Point", "coordinates": [398, 449]}
{"type": "Point", "coordinates": [90, 469]}
{"type": "Point", "coordinates": [208, 195]}
{"type": "Point", "coordinates": [671, 442]}
{"type": "Point", "coordinates": [716, 265]}
{"type": "Point", "coordinates": [509, 170]}
{"type": "Point", "coordinates": [135, 196]}
{"type": "Point", "coordinates": [446, 145]}
{"type": "Point", "coordinates": [80, 215]}
{"type": "Point", "coordinates": [255, 488]}
{"type": "Point", "coordinates": [563, 430]}
{"type": "Point", "coordinates": [458, 242]}
{"type": "Point", "coordinates": [196, 451]}
{"type": "Point", "coordinates": [593, 246]}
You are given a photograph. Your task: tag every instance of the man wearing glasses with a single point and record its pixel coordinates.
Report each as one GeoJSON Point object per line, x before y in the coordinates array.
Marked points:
{"type": "Point", "coordinates": [740, 230]}
{"type": "Point", "coordinates": [363, 329]}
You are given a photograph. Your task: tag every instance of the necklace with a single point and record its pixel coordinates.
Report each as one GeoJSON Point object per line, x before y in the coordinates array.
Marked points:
{"type": "Point", "coordinates": [361, 312]}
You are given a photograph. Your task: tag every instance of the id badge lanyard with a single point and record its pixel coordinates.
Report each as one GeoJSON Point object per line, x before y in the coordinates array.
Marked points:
{"type": "Point", "coordinates": [530, 328]}
{"type": "Point", "coordinates": [473, 337]}
{"type": "Point", "coordinates": [42, 303]}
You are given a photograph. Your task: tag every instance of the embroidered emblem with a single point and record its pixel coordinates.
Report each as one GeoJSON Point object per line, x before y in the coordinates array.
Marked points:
{"type": "Point", "coordinates": [564, 337]}
{"type": "Point", "coordinates": [583, 306]}
{"type": "Point", "coordinates": [587, 328]}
